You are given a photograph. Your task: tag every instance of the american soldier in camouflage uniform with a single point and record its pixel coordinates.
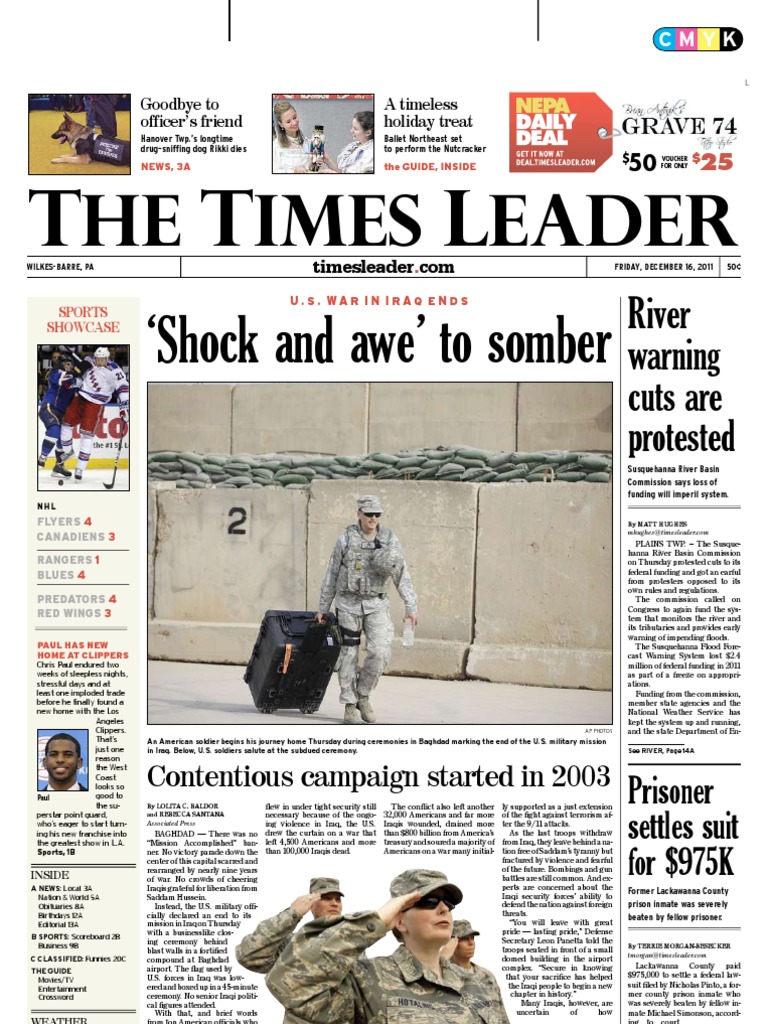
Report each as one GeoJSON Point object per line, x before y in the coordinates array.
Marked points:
{"type": "Point", "coordinates": [365, 558]}
{"type": "Point", "coordinates": [465, 934]}
{"type": "Point", "coordinates": [259, 951]}
{"type": "Point", "coordinates": [320, 979]}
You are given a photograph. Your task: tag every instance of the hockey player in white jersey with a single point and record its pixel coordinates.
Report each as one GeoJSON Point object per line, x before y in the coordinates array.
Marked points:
{"type": "Point", "coordinates": [102, 379]}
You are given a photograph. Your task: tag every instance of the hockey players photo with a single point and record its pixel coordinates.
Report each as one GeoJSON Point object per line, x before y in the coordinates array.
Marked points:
{"type": "Point", "coordinates": [61, 384]}
{"type": "Point", "coordinates": [78, 390]}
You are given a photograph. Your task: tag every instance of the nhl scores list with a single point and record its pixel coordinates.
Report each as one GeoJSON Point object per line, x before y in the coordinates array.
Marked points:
{"type": "Point", "coordinates": [83, 938]}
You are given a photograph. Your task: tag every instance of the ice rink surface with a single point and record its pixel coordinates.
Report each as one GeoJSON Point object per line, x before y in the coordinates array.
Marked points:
{"type": "Point", "coordinates": [93, 480]}
{"type": "Point", "coordinates": [186, 693]}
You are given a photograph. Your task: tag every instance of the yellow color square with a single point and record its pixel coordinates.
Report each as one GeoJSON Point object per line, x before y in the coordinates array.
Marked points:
{"type": "Point", "coordinates": [709, 39]}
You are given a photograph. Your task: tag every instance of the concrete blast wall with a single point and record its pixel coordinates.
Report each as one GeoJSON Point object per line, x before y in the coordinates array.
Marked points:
{"type": "Point", "coordinates": [514, 579]}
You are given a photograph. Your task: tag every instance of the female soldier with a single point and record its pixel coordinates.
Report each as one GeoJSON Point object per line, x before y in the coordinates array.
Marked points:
{"type": "Point", "coordinates": [322, 978]}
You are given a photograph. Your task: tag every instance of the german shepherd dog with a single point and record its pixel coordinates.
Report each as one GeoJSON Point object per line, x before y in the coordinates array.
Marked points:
{"type": "Point", "coordinates": [88, 146]}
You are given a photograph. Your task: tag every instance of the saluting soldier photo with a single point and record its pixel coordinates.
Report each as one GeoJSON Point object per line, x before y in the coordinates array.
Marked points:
{"type": "Point", "coordinates": [322, 975]}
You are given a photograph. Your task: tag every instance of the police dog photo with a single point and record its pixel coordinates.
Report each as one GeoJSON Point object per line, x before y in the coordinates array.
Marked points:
{"type": "Point", "coordinates": [87, 146]}
{"type": "Point", "coordinates": [96, 141]}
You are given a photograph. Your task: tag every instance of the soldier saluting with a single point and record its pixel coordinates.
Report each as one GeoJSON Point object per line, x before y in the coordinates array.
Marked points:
{"type": "Point", "coordinates": [259, 951]}
{"type": "Point", "coordinates": [322, 977]}
{"type": "Point", "coordinates": [366, 557]}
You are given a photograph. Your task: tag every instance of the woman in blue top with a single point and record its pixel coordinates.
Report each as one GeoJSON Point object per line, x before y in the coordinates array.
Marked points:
{"type": "Point", "coordinates": [357, 157]}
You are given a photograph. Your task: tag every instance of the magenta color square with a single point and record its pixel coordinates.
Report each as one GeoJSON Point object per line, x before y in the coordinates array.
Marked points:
{"type": "Point", "coordinates": [687, 39]}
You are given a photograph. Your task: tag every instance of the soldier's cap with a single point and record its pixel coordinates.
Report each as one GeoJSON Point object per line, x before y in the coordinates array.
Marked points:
{"type": "Point", "coordinates": [424, 882]}
{"type": "Point", "coordinates": [368, 503]}
{"type": "Point", "coordinates": [463, 929]}
{"type": "Point", "coordinates": [325, 885]}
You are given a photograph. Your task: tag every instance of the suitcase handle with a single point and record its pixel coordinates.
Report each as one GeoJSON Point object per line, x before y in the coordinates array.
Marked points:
{"type": "Point", "coordinates": [293, 627]}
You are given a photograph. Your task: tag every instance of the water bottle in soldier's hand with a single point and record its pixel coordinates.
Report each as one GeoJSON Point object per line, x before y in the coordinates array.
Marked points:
{"type": "Point", "coordinates": [408, 633]}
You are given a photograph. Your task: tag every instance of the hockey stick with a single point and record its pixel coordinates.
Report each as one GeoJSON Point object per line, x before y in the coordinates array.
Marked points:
{"type": "Point", "coordinates": [123, 432]}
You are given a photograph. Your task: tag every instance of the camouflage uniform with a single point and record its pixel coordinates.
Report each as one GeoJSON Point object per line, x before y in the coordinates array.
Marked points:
{"type": "Point", "coordinates": [485, 981]}
{"type": "Point", "coordinates": [259, 951]}
{"type": "Point", "coordinates": [358, 582]}
{"type": "Point", "coordinates": [480, 976]}
{"type": "Point", "coordinates": [320, 979]}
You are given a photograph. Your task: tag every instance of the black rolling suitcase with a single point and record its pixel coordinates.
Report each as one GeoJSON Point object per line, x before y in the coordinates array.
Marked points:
{"type": "Point", "coordinates": [292, 661]}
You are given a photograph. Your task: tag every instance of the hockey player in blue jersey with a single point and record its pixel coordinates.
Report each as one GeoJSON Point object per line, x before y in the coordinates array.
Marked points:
{"type": "Point", "coordinates": [62, 385]}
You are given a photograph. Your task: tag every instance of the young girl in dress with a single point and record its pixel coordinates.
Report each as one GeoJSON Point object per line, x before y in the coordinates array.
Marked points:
{"type": "Point", "coordinates": [290, 150]}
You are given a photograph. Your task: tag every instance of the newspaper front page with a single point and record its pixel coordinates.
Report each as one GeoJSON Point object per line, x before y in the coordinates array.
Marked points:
{"type": "Point", "coordinates": [391, 560]}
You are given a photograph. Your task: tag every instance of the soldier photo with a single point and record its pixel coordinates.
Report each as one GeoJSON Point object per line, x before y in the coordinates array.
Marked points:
{"type": "Point", "coordinates": [321, 976]}
{"type": "Point", "coordinates": [464, 936]}
{"type": "Point", "coordinates": [259, 951]}
{"type": "Point", "coordinates": [366, 557]}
